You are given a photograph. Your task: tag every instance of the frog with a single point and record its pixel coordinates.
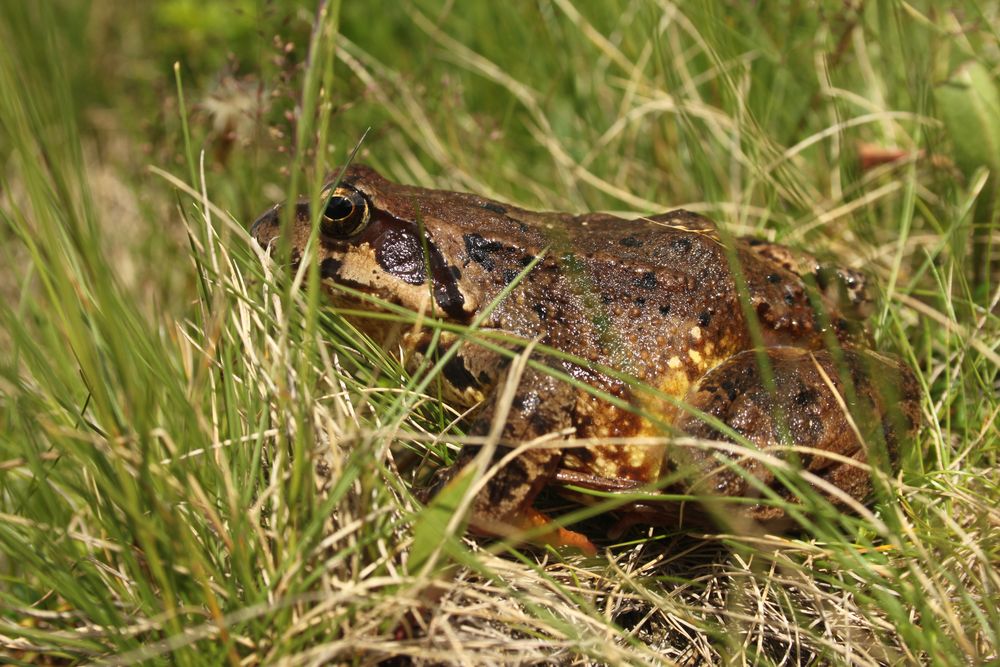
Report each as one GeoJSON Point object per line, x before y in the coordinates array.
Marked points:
{"type": "Point", "coordinates": [652, 330]}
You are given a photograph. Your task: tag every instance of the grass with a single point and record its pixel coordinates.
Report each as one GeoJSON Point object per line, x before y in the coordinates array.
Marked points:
{"type": "Point", "coordinates": [202, 464]}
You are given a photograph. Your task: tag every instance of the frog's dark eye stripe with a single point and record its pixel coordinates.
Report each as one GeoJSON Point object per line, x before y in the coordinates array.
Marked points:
{"type": "Point", "coordinates": [345, 214]}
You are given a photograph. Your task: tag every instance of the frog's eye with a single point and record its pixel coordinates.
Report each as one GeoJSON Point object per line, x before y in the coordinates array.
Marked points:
{"type": "Point", "coordinates": [345, 214]}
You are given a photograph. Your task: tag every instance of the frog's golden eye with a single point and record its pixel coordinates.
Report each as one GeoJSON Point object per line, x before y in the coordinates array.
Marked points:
{"type": "Point", "coordinates": [345, 214]}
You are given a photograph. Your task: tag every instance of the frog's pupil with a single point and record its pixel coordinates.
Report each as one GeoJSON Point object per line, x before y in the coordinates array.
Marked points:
{"type": "Point", "coordinates": [339, 208]}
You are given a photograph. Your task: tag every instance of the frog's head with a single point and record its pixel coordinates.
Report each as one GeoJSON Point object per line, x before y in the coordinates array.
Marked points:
{"type": "Point", "coordinates": [382, 239]}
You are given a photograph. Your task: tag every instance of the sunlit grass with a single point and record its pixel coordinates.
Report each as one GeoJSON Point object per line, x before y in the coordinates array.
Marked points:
{"type": "Point", "coordinates": [200, 463]}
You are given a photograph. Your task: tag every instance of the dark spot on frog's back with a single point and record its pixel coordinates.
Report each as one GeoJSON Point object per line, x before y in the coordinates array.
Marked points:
{"type": "Point", "coordinates": [630, 242]}
{"type": "Point", "coordinates": [648, 280]}
{"type": "Point", "coordinates": [731, 390]}
{"type": "Point", "coordinates": [481, 250]}
{"type": "Point", "coordinates": [494, 208]}
{"type": "Point", "coordinates": [681, 244]}
{"type": "Point", "coordinates": [806, 397]}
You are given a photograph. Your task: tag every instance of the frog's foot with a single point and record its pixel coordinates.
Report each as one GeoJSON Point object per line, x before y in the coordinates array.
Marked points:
{"type": "Point", "coordinates": [537, 528]}
{"type": "Point", "coordinates": [504, 507]}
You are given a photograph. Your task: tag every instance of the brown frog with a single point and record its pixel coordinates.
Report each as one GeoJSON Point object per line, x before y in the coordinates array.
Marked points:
{"type": "Point", "coordinates": [761, 341]}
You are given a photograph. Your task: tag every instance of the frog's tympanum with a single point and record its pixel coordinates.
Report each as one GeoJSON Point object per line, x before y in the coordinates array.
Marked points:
{"type": "Point", "coordinates": [742, 341]}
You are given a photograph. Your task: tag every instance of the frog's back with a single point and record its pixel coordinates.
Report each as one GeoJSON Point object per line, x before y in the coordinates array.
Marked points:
{"type": "Point", "coordinates": [652, 297]}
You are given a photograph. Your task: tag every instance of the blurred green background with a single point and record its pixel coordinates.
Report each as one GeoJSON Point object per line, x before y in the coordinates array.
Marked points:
{"type": "Point", "coordinates": [650, 96]}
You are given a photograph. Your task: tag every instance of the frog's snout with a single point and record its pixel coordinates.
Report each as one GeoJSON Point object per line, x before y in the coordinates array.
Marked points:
{"type": "Point", "coordinates": [265, 228]}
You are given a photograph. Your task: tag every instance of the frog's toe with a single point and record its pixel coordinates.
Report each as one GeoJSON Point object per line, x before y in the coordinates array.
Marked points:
{"type": "Point", "coordinates": [537, 528]}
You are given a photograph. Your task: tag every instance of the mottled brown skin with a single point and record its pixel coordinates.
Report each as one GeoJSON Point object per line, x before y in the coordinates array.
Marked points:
{"type": "Point", "coordinates": [654, 298]}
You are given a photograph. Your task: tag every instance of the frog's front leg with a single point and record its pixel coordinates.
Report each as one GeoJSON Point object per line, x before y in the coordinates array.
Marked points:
{"type": "Point", "coordinates": [540, 405]}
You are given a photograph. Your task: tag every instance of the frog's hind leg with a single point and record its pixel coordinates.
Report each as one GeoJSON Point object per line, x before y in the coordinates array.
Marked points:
{"type": "Point", "coordinates": [808, 405]}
